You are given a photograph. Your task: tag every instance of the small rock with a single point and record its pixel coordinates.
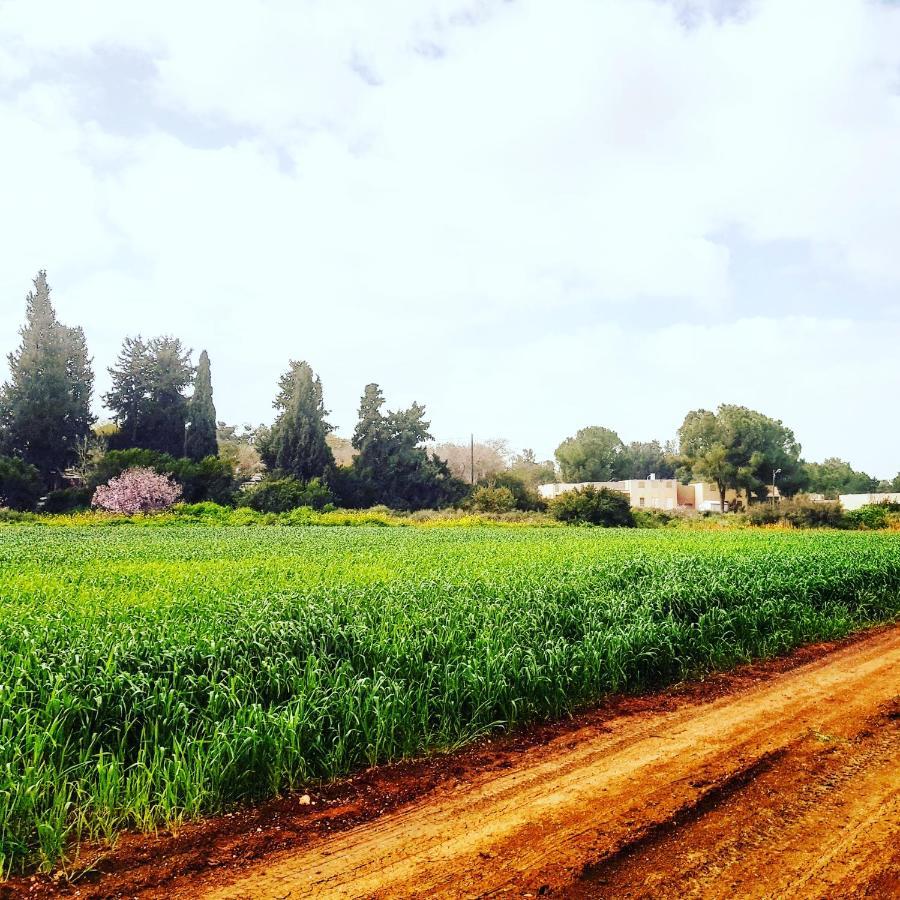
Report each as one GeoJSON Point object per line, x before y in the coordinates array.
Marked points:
{"type": "Point", "coordinates": [305, 800]}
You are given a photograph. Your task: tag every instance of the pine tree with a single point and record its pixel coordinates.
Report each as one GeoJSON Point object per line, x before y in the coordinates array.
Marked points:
{"type": "Point", "coordinates": [392, 465]}
{"type": "Point", "coordinates": [171, 372]}
{"type": "Point", "coordinates": [296, 443]}
{"type": "Point", "coordinates": [147, 395]}
{"type": "Point", "coordinates": [200, 441]}
{"type": "Point", "coordinates": [130, 393]}
{"type": "Point", "coordinates": [45, 405]}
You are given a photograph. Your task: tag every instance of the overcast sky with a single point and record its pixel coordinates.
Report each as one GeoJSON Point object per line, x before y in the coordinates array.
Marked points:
{"type": "Point", "coordinates": [530, 216]}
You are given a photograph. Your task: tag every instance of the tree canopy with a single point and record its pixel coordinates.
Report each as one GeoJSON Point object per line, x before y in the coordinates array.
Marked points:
{"type": "Point", "coordinates": [393, 465]}
{"type": "Point", "coordinates": [593, 454]}
{"type": "Point", "coordinates": [739, 448]}
{"type": "Point", "coordinates": [642, 458]}
{"type": "Point", "coordinates": [834, 477]}
{"type": "Point", "coordinates": [147, 394]}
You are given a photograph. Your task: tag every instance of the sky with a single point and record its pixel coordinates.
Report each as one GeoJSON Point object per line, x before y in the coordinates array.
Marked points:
{"type": "Point", "coordinates": [530, 215]}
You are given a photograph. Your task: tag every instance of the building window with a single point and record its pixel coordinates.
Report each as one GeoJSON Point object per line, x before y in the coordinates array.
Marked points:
{"type": "Point", "coordinates": [641, 485]}
{"type": "Point", "coordinates": [641, 502]}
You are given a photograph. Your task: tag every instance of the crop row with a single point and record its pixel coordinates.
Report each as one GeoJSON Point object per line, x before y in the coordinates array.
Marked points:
{"type": "Point", "coordinates": [150, 675]}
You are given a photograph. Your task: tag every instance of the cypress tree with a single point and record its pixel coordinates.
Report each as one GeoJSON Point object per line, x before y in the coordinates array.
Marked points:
{"type": "Point", "coordinates": [45, 406]}
{"type": "Point", "coordinates": [370, 427]}
{"type": "Point", "coordinates": [296, 443]}
{"type": "Point", "coordinates": [200, 441]}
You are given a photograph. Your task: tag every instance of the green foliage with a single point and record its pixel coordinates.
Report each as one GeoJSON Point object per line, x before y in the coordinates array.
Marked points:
{"type": "Point", "coordinates": [147, 395]}
{"type": "Point", "coordinates": [392, 466]}
{"type": "Point", "coordinates": [68, 500]}
{"type": "Point", "coordinates": [592, 455]}
{"type": "Point", "coordinates": [642, 458]}
{"type": "Point", "coordinates": [297, 442]}
{"type": "Point", "coordinates": [740, 448]}
{"type": "Point", "coordinates": [209, 479]}
{"type": "Point", "coordinates": [524, 496]}
{"type": "Point", "coordinates": [487, 498]}
{"type": "Point", "coordinates": [798, 513]}
{"type": "Point", "coordinates": [598, 454]}
{"type": "Point", "coordinates": [20, 484]}
{"type": "Point", "coordinates": [590, 506]}
{"type": "Point", "coordinates": [200, 440]}
{"type": "Point", "coordinates": [835, 477]}
{"type": "Point", "coordinates": [531, 471]}
{"type": "Point", "coordinates": [653, 518]}
{"type": "Point", "coordinates": [45, 406]}
{"type": "Point", "coordinates": [277, 495]}
{"type": "Point", "coordinates": [874, 516]}
{"type": "Point", "coordinates": [190, 672]}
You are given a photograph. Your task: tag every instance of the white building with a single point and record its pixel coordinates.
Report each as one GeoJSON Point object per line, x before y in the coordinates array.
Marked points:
{"type": "Point", "coordinates": [855, 501]}
{"type": "Point", "coordinates": [654, 493]}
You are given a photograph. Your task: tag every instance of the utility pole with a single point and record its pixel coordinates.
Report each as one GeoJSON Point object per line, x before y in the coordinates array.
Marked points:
{"type": "Point", "coordinates": [472, 459]}
{"type": "Point", "coordinates": [775, 474]}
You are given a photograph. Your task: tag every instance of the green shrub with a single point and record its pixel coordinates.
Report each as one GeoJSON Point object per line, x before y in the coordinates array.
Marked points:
{"type": "Point", "coordinates": [798, 513]}
{"type": "Point", "coordinates": [493, 499]}
{"type": "Point", "coordinates": [590, 506]}
{"type": "Point", "coordinates": [652, 518]}
{"type": "Point", "coordinates": [68, 500]}
{"type": "Point", "coordinates": [874, 516]}
{"type": "Point", "coordinates": [525, 497]}
{"type": "Point", "coordinates": [278, 495]}
{"type": "Point", "coordinates": [211, 479]}
{"type": "Point", "coordinates": [20, 484]}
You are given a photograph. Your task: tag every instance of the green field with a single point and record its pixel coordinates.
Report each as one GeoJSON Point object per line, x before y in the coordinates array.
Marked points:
{"type": "Point", "coordinates": [153, 674]}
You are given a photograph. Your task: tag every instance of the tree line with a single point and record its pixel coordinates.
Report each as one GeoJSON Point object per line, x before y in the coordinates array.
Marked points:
{"type": "Point", "coordinates": [735, 448]}
{"type": "Point", "coordinates": [165, 418]}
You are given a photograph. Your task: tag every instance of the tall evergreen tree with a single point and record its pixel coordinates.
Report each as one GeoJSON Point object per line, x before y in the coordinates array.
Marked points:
{"type": "Point", "coordinates": [45, 406]}
{"type": "Point", "coordinates": [147, 394]}
{"type": "Point", "coordinates": [370, 428]}
{"type": "Point", "coordinates": [130, 393]}
{"type": "Point", "coordinates": [392, 465]}
{"type": "Point", "coordinates": [200, 441]}
{"type": "Point", "coordinates": [296, 443]}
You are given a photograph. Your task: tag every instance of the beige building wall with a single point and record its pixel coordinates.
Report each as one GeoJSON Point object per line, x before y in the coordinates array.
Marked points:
{"type": "Point", "coordinates": [652, 493]}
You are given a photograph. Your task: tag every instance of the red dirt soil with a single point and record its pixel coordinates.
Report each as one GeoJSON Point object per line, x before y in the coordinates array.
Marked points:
{"type": "Point", "coordinates": [779, 779]}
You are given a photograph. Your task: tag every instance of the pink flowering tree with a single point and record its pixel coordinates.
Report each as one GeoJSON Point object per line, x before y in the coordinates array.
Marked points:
{"type": "Point", "coordinates": [137, 490]}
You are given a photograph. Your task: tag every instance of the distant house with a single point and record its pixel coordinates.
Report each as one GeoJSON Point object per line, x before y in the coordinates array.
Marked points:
{"type": "Point", "coordinates": [855, 501]}
{"type": "Point", "coordinates": [655, 493]}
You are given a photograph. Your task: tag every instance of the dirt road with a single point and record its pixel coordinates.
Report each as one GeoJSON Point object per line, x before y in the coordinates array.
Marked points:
{"type": "Point", "coordinates": [789, 787]}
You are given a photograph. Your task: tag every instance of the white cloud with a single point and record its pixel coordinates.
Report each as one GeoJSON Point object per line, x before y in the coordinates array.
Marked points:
{"type": "Point", "coordinates": [419, 193]}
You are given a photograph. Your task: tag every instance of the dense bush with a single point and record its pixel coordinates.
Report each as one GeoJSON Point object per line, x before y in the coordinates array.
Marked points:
{"type": "Point", "coordinates": [211, 479]}
{"type": "Point", "coordinates": [652, 518]}
{"type": "Point", "coordinates": [20, 484]}
{"type": "Point", "coordinates": [798, 513]}
{"type": "Point", "coordinates": [68, 500]}
{"type": "Point", "coordinates": [493, 499]}
{"type": "Point", "coordinates": [137, 490]}
{"type": "Point", "coordinates": [525, 497]}
{"type": "Point", "coordinates": [278, 495]}
{"type": "Point", "coordinates": [874, 515]}
{"type": "Point", "coordinates": [590, 506]}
